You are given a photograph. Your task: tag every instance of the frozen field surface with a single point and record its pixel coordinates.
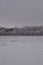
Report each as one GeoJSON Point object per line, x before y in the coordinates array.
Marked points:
{"type": "Point", "coordinates": [21, 50]}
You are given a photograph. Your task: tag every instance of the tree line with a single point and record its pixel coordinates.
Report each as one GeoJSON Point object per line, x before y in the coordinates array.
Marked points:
{"type": "Point", "coordinates": [27, 30]}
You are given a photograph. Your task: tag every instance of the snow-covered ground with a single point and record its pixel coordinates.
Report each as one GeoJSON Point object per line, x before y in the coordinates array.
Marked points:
{"type": "Point", "coordinates": [21, 50]}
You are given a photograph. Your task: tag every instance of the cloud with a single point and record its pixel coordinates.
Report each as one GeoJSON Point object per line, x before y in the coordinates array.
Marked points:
{"type": "Point", "coordinates": [21, 12]}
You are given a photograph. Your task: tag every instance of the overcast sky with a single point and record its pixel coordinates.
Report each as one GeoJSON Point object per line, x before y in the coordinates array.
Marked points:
{"type": "Point", "coordinates": [21, 13]}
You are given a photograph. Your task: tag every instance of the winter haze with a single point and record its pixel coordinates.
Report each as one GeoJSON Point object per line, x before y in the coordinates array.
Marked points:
{"type": "Point", "coordinates": [21, 13]}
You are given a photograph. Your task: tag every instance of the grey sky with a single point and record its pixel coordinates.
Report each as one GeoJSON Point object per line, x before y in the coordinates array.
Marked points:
{"type": "Point", "coordinates": [21, 12]}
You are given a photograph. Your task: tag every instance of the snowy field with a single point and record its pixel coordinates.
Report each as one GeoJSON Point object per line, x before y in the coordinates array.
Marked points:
{"type": "Point", "coordinates": [21, 50]}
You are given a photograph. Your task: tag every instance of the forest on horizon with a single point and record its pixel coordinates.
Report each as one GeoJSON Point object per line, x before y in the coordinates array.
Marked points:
{"type": "Point", "coordinates": [27, 30]}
